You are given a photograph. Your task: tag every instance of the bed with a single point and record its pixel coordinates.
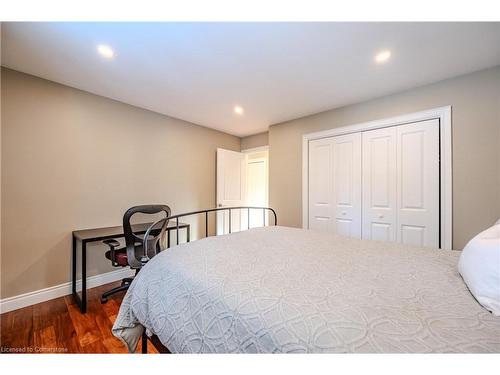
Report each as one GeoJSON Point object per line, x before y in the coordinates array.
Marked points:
{"type": "Point", "coordinates": [287, 290]}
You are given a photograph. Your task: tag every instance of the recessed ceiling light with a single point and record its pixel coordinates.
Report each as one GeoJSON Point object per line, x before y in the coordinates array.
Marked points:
{"type": "Point", "coordinates": [105, 51]}
{"type": "Point", "coordinates": [382, 56]}
{"type": "Point", "coordinates": [238, 110]}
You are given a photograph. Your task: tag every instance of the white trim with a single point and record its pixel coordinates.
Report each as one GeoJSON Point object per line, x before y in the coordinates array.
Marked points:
{"type": "Point", "coordinates": [441, 113]}
{"type": "Point", "coordinates": [42, 295]}
{"type": "Point", "coordinates": [255, 149]}
{"type": "Point", "coordinates": [305, 182]}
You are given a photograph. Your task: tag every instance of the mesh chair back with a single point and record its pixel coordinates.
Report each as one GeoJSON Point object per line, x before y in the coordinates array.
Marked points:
{"type": "Point", "coordinates": [140, 249]}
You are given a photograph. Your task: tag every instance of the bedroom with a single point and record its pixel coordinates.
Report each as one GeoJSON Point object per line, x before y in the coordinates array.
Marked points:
{"type": "Point", "coordinates": [374, 147]}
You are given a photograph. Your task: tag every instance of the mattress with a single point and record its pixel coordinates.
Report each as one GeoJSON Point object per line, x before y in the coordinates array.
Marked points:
{"type": "Point", "coordinates": [287, 290]}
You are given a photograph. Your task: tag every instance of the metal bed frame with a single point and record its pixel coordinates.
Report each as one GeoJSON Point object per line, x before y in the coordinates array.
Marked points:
{"type": "Point", "coordinates": [155, 341]}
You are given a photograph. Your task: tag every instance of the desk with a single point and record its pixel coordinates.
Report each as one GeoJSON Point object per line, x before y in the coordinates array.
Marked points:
{"type": "Point", "coordinates": [99, 234]}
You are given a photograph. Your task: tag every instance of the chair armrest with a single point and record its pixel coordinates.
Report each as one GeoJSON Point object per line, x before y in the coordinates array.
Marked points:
{"type": "Point", "coordinates": [112, 243]}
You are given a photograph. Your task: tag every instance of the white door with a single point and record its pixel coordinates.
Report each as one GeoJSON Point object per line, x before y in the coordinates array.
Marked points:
{"type": "Point", "coordinates": [379, 185]}
{"type": "Point", "coordinates": [418, 183]}
{"type": "Point", "coordinates": [335, 184]}
{"type": "Point", "coordinates": [346, 184]}
{"type": "Point", "coordinates": [320, 184]}
{"type": "Point", "coordinates": [401, 184]}
{"type": "Point", "coordinates": [256, 192]}
{"type": "Point", "coordinates": [231, 184]}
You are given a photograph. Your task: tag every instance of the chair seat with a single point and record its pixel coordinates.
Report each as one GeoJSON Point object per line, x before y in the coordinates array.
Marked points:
{"type": "Point", "coordinates": [120, 256]}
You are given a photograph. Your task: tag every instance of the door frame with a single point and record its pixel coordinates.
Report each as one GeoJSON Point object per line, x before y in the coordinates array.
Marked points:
{"type": "Point", "coordinates": [255, 149]}
{"type": "Point", "coordinates": [443, 114]}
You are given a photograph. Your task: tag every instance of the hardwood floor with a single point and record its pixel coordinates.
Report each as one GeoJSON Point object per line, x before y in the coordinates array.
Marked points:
{"type": "Point", "coordinates": [57, 326]}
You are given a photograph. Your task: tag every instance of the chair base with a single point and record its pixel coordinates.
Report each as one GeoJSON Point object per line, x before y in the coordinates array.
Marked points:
{"type": "Point", "coordinates": [127, 280]}
{"type": "Point", "coordinates": [124, 286]}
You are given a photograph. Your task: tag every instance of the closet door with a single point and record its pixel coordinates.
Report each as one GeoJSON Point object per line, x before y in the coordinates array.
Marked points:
{"type": "Point", "coordinates": [379, 185]}
{"type": "Point", "coordinates": [320, 184]}
{"type": "Point", "coordinates": [418, 183]}
{"type": "Point", "coordinates": [347, 185]}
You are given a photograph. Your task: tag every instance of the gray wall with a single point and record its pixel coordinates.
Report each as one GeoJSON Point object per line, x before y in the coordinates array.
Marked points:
{"type": "Point", "coordinates": [475, 101]}
{"type": "Point", "coordinates": [256, 140]}
{"type": "Point", "coordinates": [73, 160]}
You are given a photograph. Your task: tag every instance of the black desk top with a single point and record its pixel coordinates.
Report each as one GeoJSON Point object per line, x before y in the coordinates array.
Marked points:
{"type": "Point", "coordinates": [97, 234]}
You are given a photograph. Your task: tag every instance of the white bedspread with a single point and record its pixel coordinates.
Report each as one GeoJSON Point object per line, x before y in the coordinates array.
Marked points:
{"type": "Point", "coordinates": [285, 290]}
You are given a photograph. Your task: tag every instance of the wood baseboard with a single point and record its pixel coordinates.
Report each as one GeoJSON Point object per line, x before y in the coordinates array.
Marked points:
{"type": "Point", "coordinates": [46, 294]}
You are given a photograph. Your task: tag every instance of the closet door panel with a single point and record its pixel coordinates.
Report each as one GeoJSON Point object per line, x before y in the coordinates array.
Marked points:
{"type": "Point", "coordinates": [379, 184]}
{"type": "Point", "coordinates": [320, 184]}
{"type": "Point", "coordinates": [381, 231]}
{"type": "Point", "coordinates": [347, 184]}
{"type": "Point", "coordinates": [418, 183]}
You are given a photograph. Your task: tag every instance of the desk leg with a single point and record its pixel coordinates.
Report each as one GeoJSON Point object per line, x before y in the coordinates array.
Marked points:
{"type": "Point", "coordinates": [188, 233]}
{"type": "Point", "coordinates": [80, 301]}
{"type": "Point", "coordinates": [73, 267]}
{"type": "Point", "coordinates": [83, 306]}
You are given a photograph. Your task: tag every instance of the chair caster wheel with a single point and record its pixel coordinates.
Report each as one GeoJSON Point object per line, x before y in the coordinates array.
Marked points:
{"type": "Point", "coordinates": [104, 300]}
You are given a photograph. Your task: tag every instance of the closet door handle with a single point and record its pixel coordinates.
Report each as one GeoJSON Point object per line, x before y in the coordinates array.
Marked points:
{"type": "Point", "coordinates": [380, 216]}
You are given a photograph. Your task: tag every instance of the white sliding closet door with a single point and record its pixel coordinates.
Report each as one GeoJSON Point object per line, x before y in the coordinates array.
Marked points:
{"type": "Point", "coordinates": [320, 184]}
{"type": "Point", "coordinates": [347, 184]}
{"type": "Point", "coordinates": [379, 185]}
{"type": "Point", "coordinates": [335, 184]}
{"type": "Point", "coordinates": [401, 184]}
{"type": "Point", "coordinates": [418, 183]}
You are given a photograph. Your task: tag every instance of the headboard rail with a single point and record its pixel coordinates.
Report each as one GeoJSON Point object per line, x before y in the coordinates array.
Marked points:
{"type": "Point", "coordinates": [206, 212]}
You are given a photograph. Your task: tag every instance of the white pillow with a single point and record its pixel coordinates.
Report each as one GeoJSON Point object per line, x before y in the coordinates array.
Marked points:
{"type": "Point", "coordinates": [479, 266]}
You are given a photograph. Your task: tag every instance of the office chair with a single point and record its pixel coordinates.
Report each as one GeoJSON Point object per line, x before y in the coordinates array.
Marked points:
{"type": "Point", "coordinates": [135, 254]}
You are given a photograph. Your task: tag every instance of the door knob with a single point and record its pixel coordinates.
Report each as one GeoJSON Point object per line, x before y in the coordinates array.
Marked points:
{"type": "Point", "coordinates": [344, 213]}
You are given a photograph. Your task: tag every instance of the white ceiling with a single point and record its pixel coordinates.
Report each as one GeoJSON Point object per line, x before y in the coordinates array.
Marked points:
{"type": "Point", "coordinates": [276, 71]}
